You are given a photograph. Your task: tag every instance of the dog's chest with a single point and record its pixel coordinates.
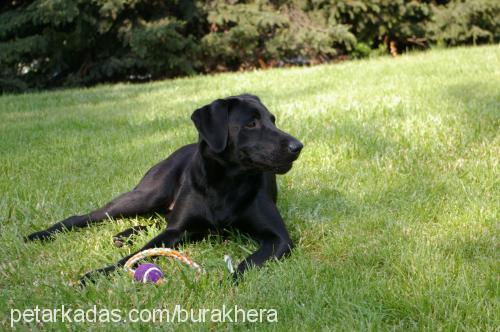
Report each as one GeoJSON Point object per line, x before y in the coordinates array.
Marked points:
{"type": "Point", "coordinates": [226, 207]}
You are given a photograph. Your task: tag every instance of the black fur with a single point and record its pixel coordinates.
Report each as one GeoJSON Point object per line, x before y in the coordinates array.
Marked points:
{"type": "Point", "coordinates": [227, 179]}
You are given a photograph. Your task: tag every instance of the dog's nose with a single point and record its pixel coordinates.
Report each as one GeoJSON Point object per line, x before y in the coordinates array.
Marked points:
{"type": "Point", "coordinates": [295, 147]}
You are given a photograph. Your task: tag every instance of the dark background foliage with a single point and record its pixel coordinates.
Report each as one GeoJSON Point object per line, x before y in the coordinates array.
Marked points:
{"type": "Point", "coordinates": [53, 43]}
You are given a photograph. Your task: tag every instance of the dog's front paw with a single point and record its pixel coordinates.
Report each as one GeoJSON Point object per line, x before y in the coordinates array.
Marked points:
{"type": "Point", "coordinates": [91, 277]}
{"type": "Point", "coordinates": [87, 278]}
{"type": "Point", "coordinates": [120, 241]}
{"type": "Point", "coordinates": [42, 235]}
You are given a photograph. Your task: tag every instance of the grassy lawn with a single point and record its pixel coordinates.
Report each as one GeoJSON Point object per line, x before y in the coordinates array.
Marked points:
{"type": "Point", "coordinates": [393, 204]}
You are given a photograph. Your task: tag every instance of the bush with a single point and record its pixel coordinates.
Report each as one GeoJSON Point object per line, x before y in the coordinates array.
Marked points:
{"type": "Point", "coordinates": [381, 22]}
{"type": "Point", "coordinates": [466, 22]}
{"type": "Point", "coordinates": [51, 43]}
{"type": "Point", "coordinates": [262, 34]}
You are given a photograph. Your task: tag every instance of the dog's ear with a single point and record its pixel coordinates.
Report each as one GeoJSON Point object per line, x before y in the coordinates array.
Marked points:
{"type": "Point", "coordinates": [212, 124]}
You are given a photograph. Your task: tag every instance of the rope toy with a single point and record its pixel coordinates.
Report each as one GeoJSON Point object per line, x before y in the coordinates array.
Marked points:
{"type": "Point", "coordinates": [150, 272]}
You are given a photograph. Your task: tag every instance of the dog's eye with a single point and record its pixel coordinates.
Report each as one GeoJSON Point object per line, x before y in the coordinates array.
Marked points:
{"type": "Point", "coordinates": [251, 124]}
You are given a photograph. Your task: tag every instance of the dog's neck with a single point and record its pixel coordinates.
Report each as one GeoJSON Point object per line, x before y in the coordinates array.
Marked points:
{"type": "Point", "coordinates": [216, 167]}
{"type": "Point", "coordinates": [225, 187]}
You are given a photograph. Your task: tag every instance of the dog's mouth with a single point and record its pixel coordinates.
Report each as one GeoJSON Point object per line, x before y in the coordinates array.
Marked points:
{"type": "Point", "coordinates": [277, 169]}
{"type": "Point", "coordinates": [282, 169]}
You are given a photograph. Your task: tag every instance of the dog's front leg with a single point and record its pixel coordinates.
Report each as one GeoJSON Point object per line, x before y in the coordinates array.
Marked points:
{"type": "Point", "coordinates": [168, 238]}
{"type": "Point", "coordinates": [271, 247]}
{"type": "Point", "coordinates": [264, 222]}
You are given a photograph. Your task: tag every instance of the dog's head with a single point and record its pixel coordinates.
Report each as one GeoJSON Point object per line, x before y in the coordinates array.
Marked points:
{"type": "Point", "coordinates": [241, 130]}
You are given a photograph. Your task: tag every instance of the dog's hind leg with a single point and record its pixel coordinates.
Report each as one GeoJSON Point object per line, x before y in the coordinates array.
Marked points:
{"type": "Point", "coordinates": [133, 203]}
{"type": "Point", "coordinates": [154, 193]}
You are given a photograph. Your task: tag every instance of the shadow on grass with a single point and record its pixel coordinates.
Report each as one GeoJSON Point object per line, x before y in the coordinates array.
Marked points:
{"type": "Point", "coordinates": [91, 129]}
{"type": "Point", "coordinates": [478, 93]}
{"type": "Point", "coordinates": [479, 103]}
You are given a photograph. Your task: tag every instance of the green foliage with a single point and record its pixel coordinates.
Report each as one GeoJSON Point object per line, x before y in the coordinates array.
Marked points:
{"type": "Point", "coordinates": [51, 43]}
{"type": "Point", "coordinates": [48, 43]}
{"type": "Point", "coordinates": [373, 22]}
{"type": "Point", "coordinates": [466, 22]}
{"type": "Point", "coordinates": [361, 50]}
{"type": "Point", "coordinates": [260, 33]}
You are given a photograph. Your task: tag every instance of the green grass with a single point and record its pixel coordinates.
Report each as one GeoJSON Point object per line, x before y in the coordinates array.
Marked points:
{"type": "Point", "coordinates": [393, 205]}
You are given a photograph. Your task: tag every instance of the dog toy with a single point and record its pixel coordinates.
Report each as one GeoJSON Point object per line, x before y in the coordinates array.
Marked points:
{"type": "Point", "coordinates": [229, 263]}
{"type": "Point", "coordinates": [150, 272]}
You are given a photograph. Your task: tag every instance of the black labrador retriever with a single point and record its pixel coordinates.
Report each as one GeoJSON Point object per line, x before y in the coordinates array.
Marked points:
{"type": "Point", "coordinates": [225, 180]}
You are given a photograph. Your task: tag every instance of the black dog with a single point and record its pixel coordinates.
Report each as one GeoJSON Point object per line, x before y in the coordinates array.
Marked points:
{"type": "Point", "coordinates": [225, 180]}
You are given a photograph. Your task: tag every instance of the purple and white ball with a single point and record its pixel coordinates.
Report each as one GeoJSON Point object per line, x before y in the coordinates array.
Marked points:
{"type": "Point", "coordinates": [148, 272]}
